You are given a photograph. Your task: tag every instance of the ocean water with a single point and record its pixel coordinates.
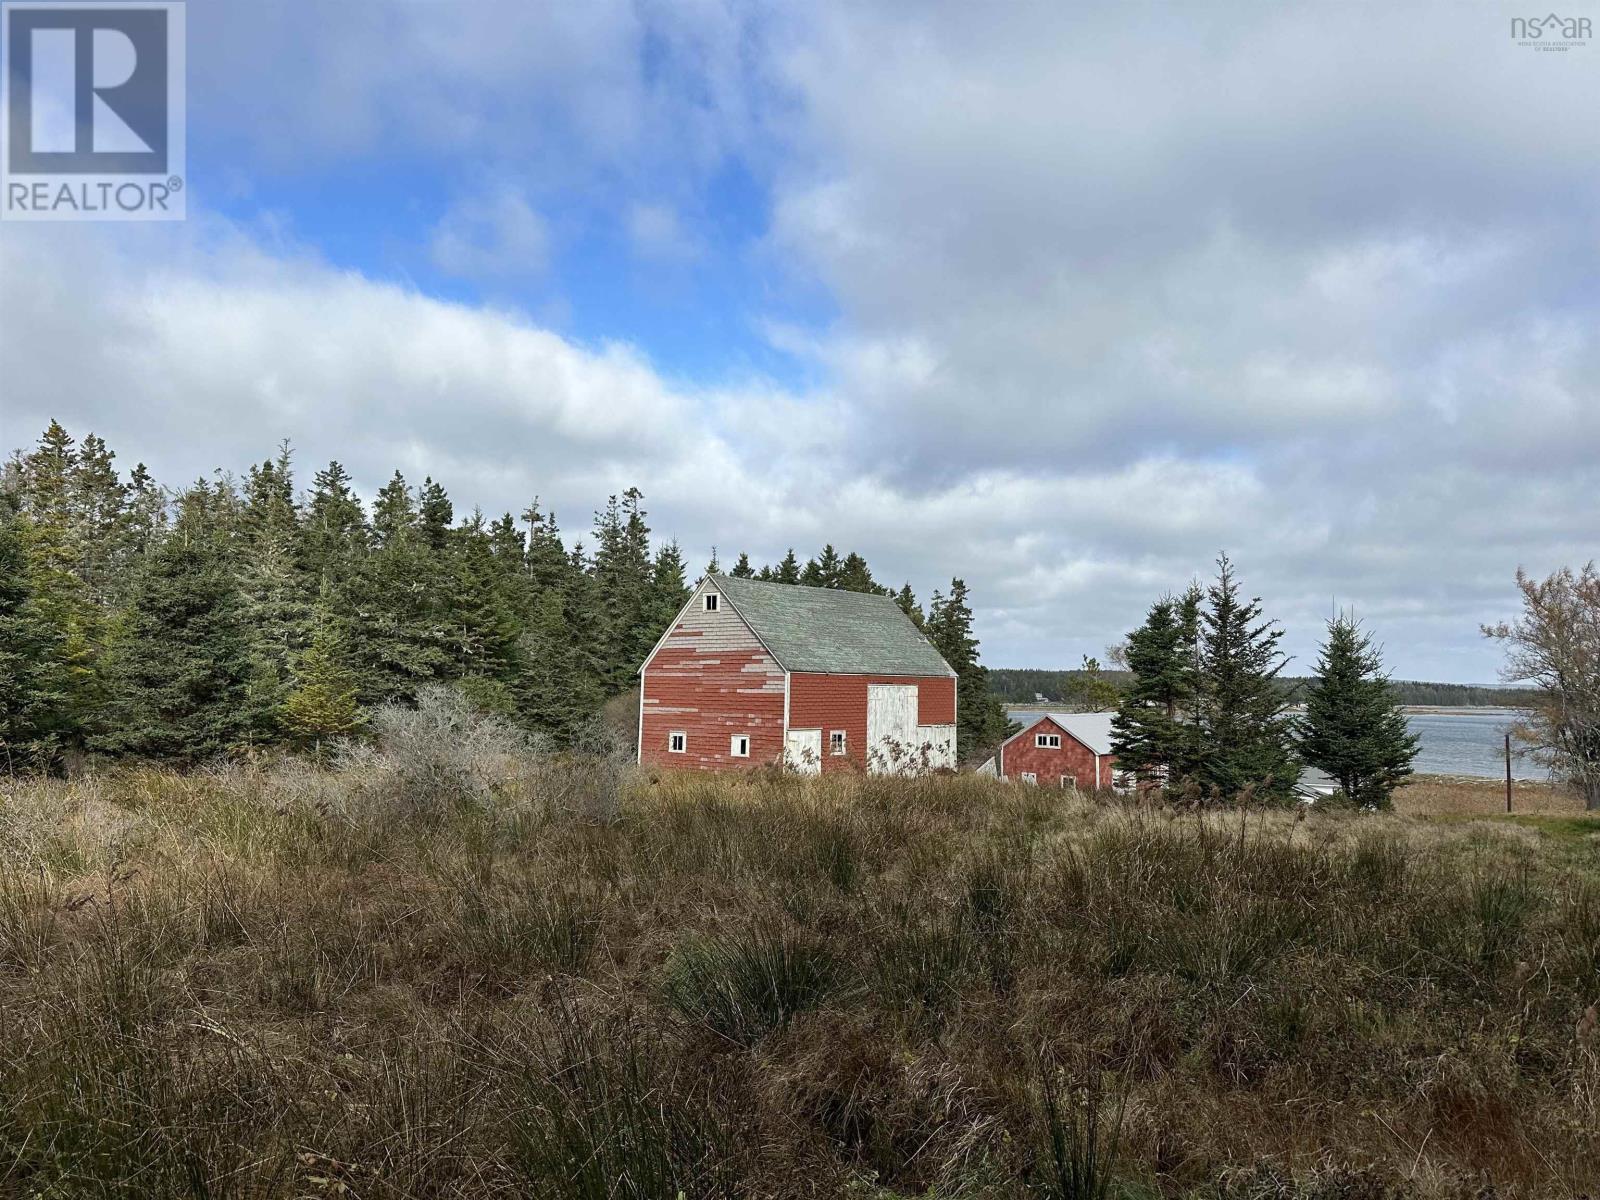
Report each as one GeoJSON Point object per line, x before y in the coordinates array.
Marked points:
{"type": "Point", "coordinates": [1469, 741]}
{"type": "Point", "coordinates": [1455, 741]}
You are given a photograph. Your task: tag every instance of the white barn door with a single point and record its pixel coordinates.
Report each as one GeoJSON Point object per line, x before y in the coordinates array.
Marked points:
{"type": "Point", "coordinates": [892, 739]}
{"type": "Point", "coordinates": [802, 751]}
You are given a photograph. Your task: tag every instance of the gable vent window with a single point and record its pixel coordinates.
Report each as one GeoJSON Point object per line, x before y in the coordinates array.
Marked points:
{"type": "Point", "coordinates": [711, 599]}
{"type": "Point", "coordinates": [739, 746]}
{"type": "Point", "coordinates": [1048, 741]}
{"type": "Point", "coordinates": [677, 741]}
{"type": "Point", "coordinates": [836, 742]}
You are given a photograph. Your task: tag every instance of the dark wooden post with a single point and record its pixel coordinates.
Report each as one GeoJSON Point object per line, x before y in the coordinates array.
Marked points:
{"type": "Point", "coordinates": [1508, 772]}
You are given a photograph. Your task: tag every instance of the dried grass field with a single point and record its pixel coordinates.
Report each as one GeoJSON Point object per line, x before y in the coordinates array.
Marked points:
{"type": "Point", "coordinates": [1462, 796]}
{"type": "Point", "coordinates": [557, 982]}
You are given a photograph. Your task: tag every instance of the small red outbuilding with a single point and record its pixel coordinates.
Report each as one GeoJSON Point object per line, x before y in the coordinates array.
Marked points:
{"type": "Point", "coordinates": [1062, 750]}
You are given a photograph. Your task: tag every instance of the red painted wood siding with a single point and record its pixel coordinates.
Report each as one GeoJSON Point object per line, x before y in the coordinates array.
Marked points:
{"type": "Point", "coordinates": [829, 702]}
{"type": "Point", "coordinates": [1073, 758]}
{"type": "Point", "coordinates": [711, 679]}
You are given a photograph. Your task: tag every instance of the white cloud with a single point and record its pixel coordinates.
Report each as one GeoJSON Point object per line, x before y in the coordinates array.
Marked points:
{"type": "Point", "coordinates": [496, 234]}
{"type": "Point", "coordinates": [1108, 295]}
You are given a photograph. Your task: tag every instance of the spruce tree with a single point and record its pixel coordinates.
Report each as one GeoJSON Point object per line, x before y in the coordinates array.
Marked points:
{"type": "Point", "coordinates": [1096, 693]}
{"type": "Point", "coordinates": [561, 688]}
{"type": "Point", "coordinates": [1353, 728]}
{"type": "Point", "coordinates": [1245, 743]}
{"type": "Point", "coordinates": [33, 695]}
{"type": "Point", "coordinates": [484, 631]}
{"type": "Point", "coordinates": [623, 587]}
{"type": "Point", "coordinates": [742, 569]}
{"type": "Point", "coordinates": [789, 569]}
{"type": "Point", "coordinates": [855, 576]}
{"type": "Point", "coordinates": [1153, 733]}
{"type": "Point", "coordinates": [77, 626]}
{"type": "Point", "coordinates": [393, 513]}
{"type": "Point", "coordinates": [44, 486]}
{"type": "Point", "coordinates": [146, 521]}
{"type": "Point", "coordinates": [333, 534]}
{"type": "Point", "coordinates": [907, 601]}
{"type": "Point", "coordinates": [669, 592]}
{"type": "Point", "coordinates": [824, 570]}
{"type": "Point", "coordinates": [275, 590]}
{"type": "Point", "coordinates": [548, 564]}
{"type": "Point", "coordinates": [98, 501]}
{"type": "Point", "coordinates": [181, 669]}
{"type": "Point", "coordinates": [395, 619]}
{"type": "Point", "coordinates": [435, 515]}
{"type": "Point", "coordinates": [322, 703]}
{"type": "Point", "coordinates": [981, 722]}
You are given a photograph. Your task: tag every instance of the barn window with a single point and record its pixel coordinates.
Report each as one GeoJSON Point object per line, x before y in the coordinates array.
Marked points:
{"type": "Point", "coordinates": [1047, 741]}
{"type": "Point", "coordinates": [677, 741]}
{"type": "Point", "coordinates": [836, 742]}
{"type": "Point", "coordinates": [711, 599]}
{"type": "Point", "coordinates": [1030, 777]}
{"type": "Point", "coordinates": [1070, 781]}
{"type": "Point", "coordinates": [739, 746]}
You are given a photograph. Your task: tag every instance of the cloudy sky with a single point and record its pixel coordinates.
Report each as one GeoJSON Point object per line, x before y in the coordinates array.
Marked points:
{"type": "Point", "coordinates": [1062, 299]}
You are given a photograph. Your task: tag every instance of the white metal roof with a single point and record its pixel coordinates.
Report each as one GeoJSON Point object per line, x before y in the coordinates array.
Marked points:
{"type": "Point", "coordinates": [1092, 729]}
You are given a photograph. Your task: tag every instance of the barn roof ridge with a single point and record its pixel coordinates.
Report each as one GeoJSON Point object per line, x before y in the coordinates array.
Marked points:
{"type": "Point", "coordinates": [831, 631]}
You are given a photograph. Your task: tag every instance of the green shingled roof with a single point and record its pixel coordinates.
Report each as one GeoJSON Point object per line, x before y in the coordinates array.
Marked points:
{"type": "Point", "coordinates": [822, 629]}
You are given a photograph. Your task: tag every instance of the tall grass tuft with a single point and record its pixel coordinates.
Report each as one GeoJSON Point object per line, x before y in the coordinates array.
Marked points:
{"type": "Point", "coordinates": [745, 987]}
{"type": "Point", "coordinates": [604, 1117]}
{"type": "Point", "coordinates": [511, 932]}
{"type": "Point", "coordinates": [1081, 1136]}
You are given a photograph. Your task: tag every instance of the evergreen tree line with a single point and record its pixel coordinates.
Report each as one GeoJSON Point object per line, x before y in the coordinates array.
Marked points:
{"type": "Point", "coordinates": [1205, 715]}
{"type": "Point", "coordinates": [849, 573]}
{"type": "Point", "coordinates": [231, 614]}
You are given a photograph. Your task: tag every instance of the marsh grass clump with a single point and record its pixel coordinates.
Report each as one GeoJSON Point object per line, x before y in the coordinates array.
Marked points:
{"type": "Point", "coordinates": [281, 979]}
{"type": "Point", "coordinates": [602, 1114]}
{"type": "Point", "coordinates": [1080, 1137]}
{"type": "Point", "coordinates": [746, 986]}
{"type": "Point", "coordinates": [923, 965]}
{"type": "Point", "coordinates": [528, 926]}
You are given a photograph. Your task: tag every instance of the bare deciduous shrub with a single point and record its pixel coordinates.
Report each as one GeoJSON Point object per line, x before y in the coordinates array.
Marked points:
{"type": "Point", "coordinates": [589, 780]}
{"type": "Point", "coordinates": [441, 753]}
{"type": "Point", "coordinates": [1555, 645]}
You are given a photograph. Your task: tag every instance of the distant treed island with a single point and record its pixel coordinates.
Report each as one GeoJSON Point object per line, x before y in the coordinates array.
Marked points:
{"type": "Point", "coordinates": [1021, 685]}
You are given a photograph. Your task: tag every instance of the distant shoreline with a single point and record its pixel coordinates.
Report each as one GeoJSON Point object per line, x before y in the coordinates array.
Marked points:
{"type": "Point", "coordinates": [1436, 710]}
{"type": "Point", "coordinates": [1461, 710]}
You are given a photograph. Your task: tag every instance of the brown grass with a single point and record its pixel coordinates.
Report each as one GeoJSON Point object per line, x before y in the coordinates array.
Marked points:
{"type": "Point", "coordinates": [1460, 796]}
{"type": "Point", "coordinates": [291, 983]}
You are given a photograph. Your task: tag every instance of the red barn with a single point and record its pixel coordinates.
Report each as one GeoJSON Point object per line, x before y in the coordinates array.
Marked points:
{"type": "Point", "coordinates": [1062, 750]}
{"type": "Point", "coordinates": [815, 678]}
